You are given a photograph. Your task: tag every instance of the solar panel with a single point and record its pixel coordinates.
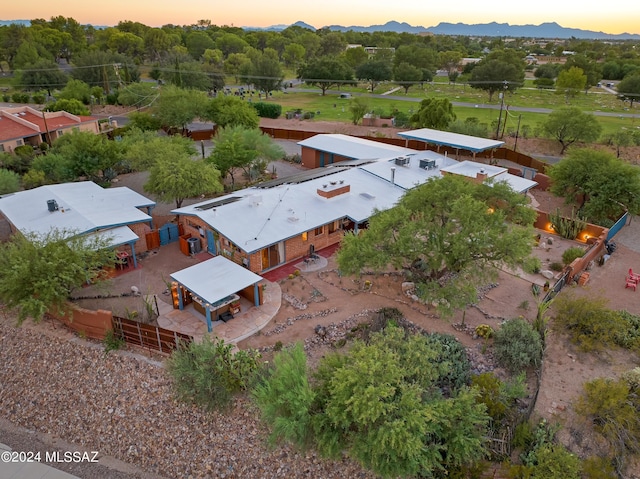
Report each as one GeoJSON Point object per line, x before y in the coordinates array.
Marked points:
{"type": "Point", "coordinates": [299, 178]}
{"type": "Point", "coordinates": [215, 204]}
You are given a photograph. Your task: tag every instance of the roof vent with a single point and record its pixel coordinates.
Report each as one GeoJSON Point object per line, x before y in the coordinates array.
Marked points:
{"type": "Point", "coordinates": [52, 205]}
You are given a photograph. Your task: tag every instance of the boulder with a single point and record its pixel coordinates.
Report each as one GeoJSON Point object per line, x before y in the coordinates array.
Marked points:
{"type": "Point", "coordinates": [547, 273]}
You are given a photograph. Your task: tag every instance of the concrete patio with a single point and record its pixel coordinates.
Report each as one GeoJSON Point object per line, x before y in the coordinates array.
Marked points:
{"type": "Point", "coordinates": [251, 320]}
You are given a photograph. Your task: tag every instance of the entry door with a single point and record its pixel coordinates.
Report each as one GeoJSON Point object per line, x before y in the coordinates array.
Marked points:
{"type": "Point", "coordinates": [211, 243]}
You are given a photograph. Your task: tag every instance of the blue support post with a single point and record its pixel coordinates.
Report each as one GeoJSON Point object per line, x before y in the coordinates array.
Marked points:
{"type": "Point", "coordinates": [133, 255]}
{"type": "Point", "coordinates": [149, 209]}
{"type": "Point", "coordinates": [209, 325]}
{"type": "Point", "coordinates": [256, 294]}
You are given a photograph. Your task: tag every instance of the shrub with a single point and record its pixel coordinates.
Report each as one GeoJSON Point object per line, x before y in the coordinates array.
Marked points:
{"type": "Point", "coordinates": [556, 266]}
{"type": "Point", "coordinates": [268, 110]}
{"type": "Point", "coordinates": [612, 409]}
{"type": "Point", "coordinates": [571, 254]}
{"type": "Point", "coordinates": [484, 331]}
{"type": "Point", "coordinates": [284, 397]}
{"type": "Point", "coordinates": [209, 373]}
{"type": "Point", "coordinates": [9, 181]}
{"type": "Point", "coordinates": [517, 345]}
{"type": "Point", "coordinates": [454, 355]}
{"type": "Point", "coordinates": [39, 97]}
{"type": "Point", "coordinates": [588, 322]}
{"type": "Point", "coordinates": [556, 462]}
{"type": "Point", "coordinates": [6, 98]}
{"type": "Point", "coordinates": [20, 97]}
{"type": "Point", "coordinates": [532, 265]}
{"type": "Point", "coordinates": [112, 342]}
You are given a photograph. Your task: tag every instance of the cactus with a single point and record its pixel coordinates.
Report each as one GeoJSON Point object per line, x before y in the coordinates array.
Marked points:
{"type": "Point", "coordinates": [567, 227]}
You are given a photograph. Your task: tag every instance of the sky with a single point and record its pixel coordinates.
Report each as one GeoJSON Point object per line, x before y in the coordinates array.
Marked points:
{"type": "Point", "coordinates": [617, 16]}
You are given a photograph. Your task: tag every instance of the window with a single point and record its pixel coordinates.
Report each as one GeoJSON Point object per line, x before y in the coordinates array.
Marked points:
{"type": "Point", "coordinates": [332, 227]}
{"type": "Point", "coordinates": [305, 236]}
{"type": "Point", "coordinates": [319, 231]}
{"type": "Point", "coordinates": [1, 147]}
{"type": "Point", "coordinates": [19, 142]}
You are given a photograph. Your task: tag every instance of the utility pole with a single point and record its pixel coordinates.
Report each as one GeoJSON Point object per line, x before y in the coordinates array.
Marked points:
{"type": "Point", "coordinates": [515, 144]}
{"type": "Point", "coordinates": [47, 135]}
{"type": "Point", "coordinates": [506, 85]}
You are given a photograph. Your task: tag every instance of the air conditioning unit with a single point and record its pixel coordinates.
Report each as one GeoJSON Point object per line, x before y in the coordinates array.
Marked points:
{"type": "Point", "coordinates": [403, 161]}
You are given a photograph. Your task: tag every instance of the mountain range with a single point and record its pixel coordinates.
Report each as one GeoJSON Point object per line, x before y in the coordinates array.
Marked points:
{"type": "Point", "coordinates": [493, 29]}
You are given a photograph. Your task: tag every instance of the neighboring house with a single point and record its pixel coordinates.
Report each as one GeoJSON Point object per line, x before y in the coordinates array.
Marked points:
{"type": "Point", "coordinates": [287, 219]}
{"type": "Point", "coordinates": [82, 208]}
{"type": "Point", "coordinates": [26, 126]}
{"type": "Point", "coordinates": [324, 150]}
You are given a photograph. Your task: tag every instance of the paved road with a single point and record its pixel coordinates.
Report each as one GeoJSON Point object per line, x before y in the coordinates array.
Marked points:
{"type": "Point", "coordinates": [467, 104]}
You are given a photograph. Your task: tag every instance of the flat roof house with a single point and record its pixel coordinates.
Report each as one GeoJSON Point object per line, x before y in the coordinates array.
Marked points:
{"type": "Point", "coordinates": [82, 208]}
{"type": "Point", "coordinates": [287, 219]}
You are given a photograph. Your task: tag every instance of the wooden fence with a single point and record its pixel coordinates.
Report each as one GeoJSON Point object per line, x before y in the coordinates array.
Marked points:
{"type": "Point", "coordinates": [148, 336]}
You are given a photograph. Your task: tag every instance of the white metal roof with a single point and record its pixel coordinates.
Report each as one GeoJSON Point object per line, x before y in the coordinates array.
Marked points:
{"type": "Point", "coordinates": [517, 183]}
{"type": "Point", "coordinates": [497, 173]}
{"type": "Point", "coordinates": [471, 169]}
{"type": "Point", "coordinates": [263, 217]}
{"type": "Point", "coordinates": [82, 207]}
{"type": "Point", "coordinates": [215, 279]}
{"type": "Point", "coordinates": [455, 140]}
{"type": "Point", "coordinates": [410, 174]}
{"type": "Point", "coordinates": [352, 147]}
{"type": "Point", "coordinates": [116, 236]}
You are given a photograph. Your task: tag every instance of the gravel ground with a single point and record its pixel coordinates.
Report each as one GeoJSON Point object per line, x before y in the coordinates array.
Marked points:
{"type": "Point", "coordinates": [122, 406]}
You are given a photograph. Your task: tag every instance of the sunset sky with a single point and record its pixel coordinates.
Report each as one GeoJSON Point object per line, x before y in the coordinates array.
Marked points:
{"type": "Point", "coordinates": [617, 16]}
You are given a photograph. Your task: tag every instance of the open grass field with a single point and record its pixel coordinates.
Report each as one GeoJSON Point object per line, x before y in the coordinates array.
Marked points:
{"type": "Point", "coordinates": [331, 108]}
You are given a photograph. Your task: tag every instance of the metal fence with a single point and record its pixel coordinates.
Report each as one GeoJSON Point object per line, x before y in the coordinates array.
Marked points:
{"type": "Point", "coordinates": [148, 336]}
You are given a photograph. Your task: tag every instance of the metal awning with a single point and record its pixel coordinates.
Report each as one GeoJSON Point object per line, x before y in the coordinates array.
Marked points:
{"type": "Point", "coordinates": [215, 279]}
{"type": "Point", "coordinates": [454, 140]}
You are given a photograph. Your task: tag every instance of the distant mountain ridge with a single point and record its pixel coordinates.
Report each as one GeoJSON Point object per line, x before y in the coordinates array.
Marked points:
{"type": "Point", "coordinates": [493, 29]}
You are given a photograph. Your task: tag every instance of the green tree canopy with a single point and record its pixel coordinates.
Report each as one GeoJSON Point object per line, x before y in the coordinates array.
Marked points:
{"type": "Point", "coordinates": [629, 88]}
{"type": "Point", "coordinates": [76, 90]}
{"type": "Point", "coordinates": [40, 272]}
{"type": "Point", "coordinates": [73, 106]}
{"type": "Point", "coordinates": [449, 235]}
{"type": "Point", "coordinates": [240, 148]}
{"type": "Point", "coordinates": [606, 185]}
{"type": "Point", "coordinates": [88, 155]}
{"type": "Point", "coordinates": [265, 73]}
{"type": "Point", "coordinates": [176, 107]}
{"type": "Point", "coordinates": [178, 177]}
{"type": "Point", "coordinates": [433, 113]}
{"type": "Point", "coordinates": [570, 82]}
{"type": "Point", "coordinates": [406, 75]}
{"type": "Point", "coordinates": [374, 72]}
{"type": "Point", "coordinates": [226, 110]}
{"type": "Point", "coordinates": [326, 73]}
{"type": "Point", "coordinates": [381, 404]}
{"type": "Point", "coordinates": [9, 181]}
{"type": "Point", "coordinates": [570, 124]}
{"type": "Point", "coordinates": [144, 149]}
{"type": "Point", "coordinates": [358, 107]}
{"type": "Point", "coordinates": [498, 72]}
{"type": "Point", "coordinates": [42, 75]}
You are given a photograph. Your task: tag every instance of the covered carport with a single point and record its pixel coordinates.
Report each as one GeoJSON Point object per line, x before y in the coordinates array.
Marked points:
{"type": "Point", "coordinates": [456, 141]}
{"type": "Point", "coordinates": [214, 286]}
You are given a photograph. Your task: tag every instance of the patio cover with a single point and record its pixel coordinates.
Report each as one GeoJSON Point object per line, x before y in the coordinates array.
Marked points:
{"type": "Point", "coordinates": [454, 140]}
{"type": "Point", "coordinates": [215, 279]}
